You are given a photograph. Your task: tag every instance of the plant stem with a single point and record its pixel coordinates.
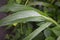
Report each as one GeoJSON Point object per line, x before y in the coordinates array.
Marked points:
{"type": "Point", "coordinates": [22, 28]}
{"type": "Point", "coordinates": [26, 2]}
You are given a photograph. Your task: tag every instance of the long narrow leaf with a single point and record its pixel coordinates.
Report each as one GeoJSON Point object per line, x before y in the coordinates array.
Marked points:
{"type": "Point", "coordinates": [19, 16]}
{"type": "Point", "coordinates": [17, 7]}
{"type": "Point", "coordinates": [37, 31]}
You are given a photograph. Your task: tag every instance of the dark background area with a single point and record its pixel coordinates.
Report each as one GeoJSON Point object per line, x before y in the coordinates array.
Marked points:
{"type": "Point", "coordinates": [3, 32]}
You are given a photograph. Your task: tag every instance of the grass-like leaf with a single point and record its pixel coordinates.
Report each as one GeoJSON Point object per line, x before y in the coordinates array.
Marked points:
{"type": "Point", "coordinates": [20, 16]}
{"type": "Point", "coordinates": [37, 31]}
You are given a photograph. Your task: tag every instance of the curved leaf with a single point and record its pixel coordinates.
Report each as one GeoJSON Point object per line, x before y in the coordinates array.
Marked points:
{"type": "Point", "coordinates": [17, 7]}
{"type": "Point", "coordinates": [20, 17]}
{"type": "Point", "coordinates": [37, 31]}
{"type": "Point", "coordinates": [14, 7]}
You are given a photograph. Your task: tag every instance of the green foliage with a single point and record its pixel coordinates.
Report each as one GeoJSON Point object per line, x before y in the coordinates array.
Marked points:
{"type": "Point", "coordinates": [37, 31]}
{"type": "Point", "coordinates": [56, 30]}
{"type": "Point", "coordinates": [32, 23]}
{"type": "Point", "coordinates": [49, 38]}
{"type": "Point", "coordinates": [58, 38]}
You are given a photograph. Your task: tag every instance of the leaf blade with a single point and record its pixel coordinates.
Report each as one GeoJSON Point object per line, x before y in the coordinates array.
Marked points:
{"type": "Point", "coordinates": [37, 31]}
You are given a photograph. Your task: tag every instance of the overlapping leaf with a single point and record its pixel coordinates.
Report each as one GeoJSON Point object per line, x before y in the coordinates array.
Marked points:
{"type": "Point", "coordinates": [37, 31]}
{"type": "Point", "coordinates": [21, 16]}
{"type": "Point", "coordinates": [19, 8]}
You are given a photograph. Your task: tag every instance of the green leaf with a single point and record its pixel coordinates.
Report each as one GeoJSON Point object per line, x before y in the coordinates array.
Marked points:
{"type": "Point", "coordinates": [50, 38]}
{"type": "Point", "coordinates": [14, 7]}
{"type": "Point", "coordinates": [37, 31]}
{"type": "Point", "coordinates": [47, 32]}
{"type": "Point", "coordinates": [17, 7]}
{"type": "Point", "coordinates": [56, 30]}
{"type": "Point", "coordinates": [20, 17]}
